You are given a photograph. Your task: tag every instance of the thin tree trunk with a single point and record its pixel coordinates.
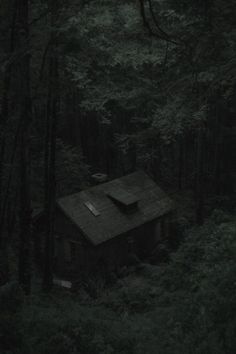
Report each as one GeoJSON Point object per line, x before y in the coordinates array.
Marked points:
{"type": "Point", "coordinates": [4, 116]}
{"type": "Point", "coordinates": [217, 149]}
{"type": "Point", "coordinates": [24, 167]}
{"type": "Point", "coordinates": [181, 153]}
{"type": "Point", "coordinates": [50, 156]}
{"type": "Point", "coordinates": [200, 177]}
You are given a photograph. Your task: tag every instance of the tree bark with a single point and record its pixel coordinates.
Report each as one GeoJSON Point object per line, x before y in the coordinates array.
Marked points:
{"type": "Point", "coordinates": [4, 116]}
{"type": "Point", "coordinates": [200, 176]}
{"type": "Point", "coordinates": [24, 166]}
{"type": "Point", "coordinates": [50, 154]}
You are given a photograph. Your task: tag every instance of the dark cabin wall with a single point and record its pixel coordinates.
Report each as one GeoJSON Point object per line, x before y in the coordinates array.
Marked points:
{"type": "Point", "coordinates": [140, 242]}
{"type": "Point", "coordinates": [71, 247]}
{"type": "Point", "coordinates": [84, 257]}
{"type": "Point", "coordinates": [75, 256]}
{"type": "Point", "coordinates": [114, 253]}
{"type": "Point", "coordinates": [148, 236]}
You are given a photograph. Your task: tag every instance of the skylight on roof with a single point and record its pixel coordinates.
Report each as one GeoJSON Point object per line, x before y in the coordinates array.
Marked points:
{"type": "Point", "coordinates": [92, 208]}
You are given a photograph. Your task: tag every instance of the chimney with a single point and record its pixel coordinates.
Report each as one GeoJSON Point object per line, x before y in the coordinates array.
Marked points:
{"type": "Point", "coordinates": [126, 201]}
{"type": "Point", "coordinates": [99, 178]}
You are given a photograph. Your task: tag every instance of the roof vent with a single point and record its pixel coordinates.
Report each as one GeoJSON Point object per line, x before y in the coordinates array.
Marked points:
{"type": "Point", "coordinates": [125, 200]}
{"type": "Point", "coordinates": [98, 178]}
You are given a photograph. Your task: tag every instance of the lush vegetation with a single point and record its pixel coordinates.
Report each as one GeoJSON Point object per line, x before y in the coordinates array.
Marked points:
{"type": "Point", "coordinates": [105, 86]}
{"type": "Point", "coordinates": [185, 306]}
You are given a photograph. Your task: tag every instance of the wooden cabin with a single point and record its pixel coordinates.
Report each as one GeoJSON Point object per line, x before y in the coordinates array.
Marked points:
{"type": "Point", "coordinates": [101, 227]}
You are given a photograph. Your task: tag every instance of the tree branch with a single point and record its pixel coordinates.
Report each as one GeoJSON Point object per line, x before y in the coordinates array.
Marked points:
{"type": "Point", "coordinates": [162, 35]}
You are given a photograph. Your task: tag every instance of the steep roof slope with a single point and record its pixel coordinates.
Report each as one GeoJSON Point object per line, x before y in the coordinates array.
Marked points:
{"type": "Point", "coordinates": [100, 219]}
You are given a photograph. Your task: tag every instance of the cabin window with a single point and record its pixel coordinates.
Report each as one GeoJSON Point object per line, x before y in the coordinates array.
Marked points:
{"type": "Point", "coordinates": [73, 247]}
{"type": "Point", "coordinates": [157, 231]}
{"type": "Point", "coordinates": [164, 227]}
{"type": "Point", "coordinates": [70, 251]}
{"type": "Point", "coordinates": [57, 247]}
{"type": "Point", "coordinates": [130, 244]}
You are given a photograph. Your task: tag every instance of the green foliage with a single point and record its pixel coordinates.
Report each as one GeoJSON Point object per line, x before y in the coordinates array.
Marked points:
{"type": "Point", "coordinates": [160, 93]}
{"type": "Point", "coordinates": [11, 298]}
{"type": "Point", "coordinates": [11, 302]}
{"type": "Point", "coordinates": [148, 96]}
{"type": "Point", "coordinates": [185, 306]}
{"type": "Point", "coordinates": [71, 170]}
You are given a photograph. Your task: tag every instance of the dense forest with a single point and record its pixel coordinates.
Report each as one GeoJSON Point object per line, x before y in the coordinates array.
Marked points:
{"type": "Point", "coordinates": [113, 87]}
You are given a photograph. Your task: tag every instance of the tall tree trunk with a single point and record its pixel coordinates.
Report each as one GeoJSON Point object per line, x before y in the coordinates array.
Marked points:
{"type": "Point", "coordinates": [4, 116]}
{"type": "Point", "coordinates": [24, 166]}
{"type": "Point", "coordinates": [217, 147]}
{"type": "Point", "coordinates": [50, 154]}
{"type": "Point", "coordinates": [200, 188]}
{"type": "Point", "coordinates": [181, 162]}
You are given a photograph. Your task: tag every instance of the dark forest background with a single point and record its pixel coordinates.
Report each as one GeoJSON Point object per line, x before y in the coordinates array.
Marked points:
{"type": "Point", "coordinates": [114, 86]}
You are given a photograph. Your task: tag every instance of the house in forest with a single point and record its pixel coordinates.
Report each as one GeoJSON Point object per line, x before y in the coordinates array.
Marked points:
{"type": "Point", "coordinates": [102, 226]}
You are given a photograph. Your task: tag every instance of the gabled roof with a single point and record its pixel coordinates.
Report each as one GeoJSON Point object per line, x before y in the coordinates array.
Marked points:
{"type": "Point", "coordinates": [100, 219]}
